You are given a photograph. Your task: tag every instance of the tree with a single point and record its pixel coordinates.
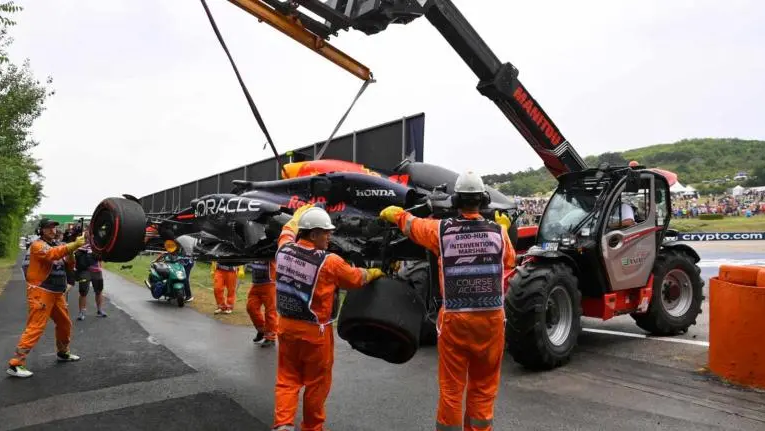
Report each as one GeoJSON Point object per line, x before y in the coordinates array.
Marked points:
{"type": "Point", "coordinates": [506, 189]}
{"type": "Point", "coordinates": [30, 225]}
{"type": "Point", "coordinates": [613, 159]}
{"type": "Point", "coordinates": [756, 177]}
{"type": "Point", "coordinates": [22, 100]}
{"type": "Point", "coordinates": [6, 9]}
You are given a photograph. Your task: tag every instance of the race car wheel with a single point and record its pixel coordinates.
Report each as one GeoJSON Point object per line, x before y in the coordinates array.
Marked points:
{"type": "Point", "coordinates": [677, 295]}
{"type": "Point", "coordinates": [543, 311]}
{"type": "Point", "coordinates": [117, 229]}
{"type": "Point", "coordinates": [419, 281]}
{"type": "Point", "coordinates": [382, 320]}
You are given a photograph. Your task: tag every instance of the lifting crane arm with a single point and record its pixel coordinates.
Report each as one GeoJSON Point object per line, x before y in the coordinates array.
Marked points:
{"type": "Point", "coordinates": [498, 81]}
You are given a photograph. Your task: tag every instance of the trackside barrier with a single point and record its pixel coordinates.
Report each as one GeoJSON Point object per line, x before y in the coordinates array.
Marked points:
{"type": "Point", "coordinates": [737, 325]}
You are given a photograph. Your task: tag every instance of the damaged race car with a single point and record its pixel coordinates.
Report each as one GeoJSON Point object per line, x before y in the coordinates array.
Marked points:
{"type": "Point", "coordinates": [244, 225]}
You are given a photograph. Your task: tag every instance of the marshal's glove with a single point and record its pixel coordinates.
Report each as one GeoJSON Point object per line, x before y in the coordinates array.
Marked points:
{"type": "Point", "coordinates": [502, 220]}
{"type": "Point", "coordinates": [374, 274]}
{"type": "Point", "coordinates": [391, 213]}
{"type": "Point", "coordinates": [293, 223]}
{"type": "Point", "coordinates": [77, 243]}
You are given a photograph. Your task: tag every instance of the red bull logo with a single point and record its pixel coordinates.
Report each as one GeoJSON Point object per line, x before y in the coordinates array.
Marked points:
{"type": "Point", "coordinates": [295, 203]}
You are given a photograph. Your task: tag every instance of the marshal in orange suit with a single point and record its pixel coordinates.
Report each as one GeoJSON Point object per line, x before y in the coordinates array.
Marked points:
{"type": "Point", "coordinates": [308, 278]}
{"type": "Point", "coordinates": [46, 287]}
{"type": "Point", "coordinates": [476, 259]}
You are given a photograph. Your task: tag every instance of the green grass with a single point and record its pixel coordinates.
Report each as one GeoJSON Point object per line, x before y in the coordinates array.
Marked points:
{"type": "Point", "coordinates": [727, 224]}
{"type": "Point", "coordinates": [201, 288]}
{"type": "Point", "coordinates": [7, 264]}
{"type": "Point", "coordinates": [6, 269]}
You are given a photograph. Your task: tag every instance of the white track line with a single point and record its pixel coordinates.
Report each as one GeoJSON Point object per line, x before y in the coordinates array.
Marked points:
{"type": "Point", "coordinates": [714, 263]}
{"type": "Point", "coordinates": [631, 335]}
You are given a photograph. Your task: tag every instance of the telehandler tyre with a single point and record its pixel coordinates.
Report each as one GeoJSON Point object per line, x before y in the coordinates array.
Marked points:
{"type": "Point", "coordinates": [543, 310]}
{"type": "Point", "coordinates": [677, 295]}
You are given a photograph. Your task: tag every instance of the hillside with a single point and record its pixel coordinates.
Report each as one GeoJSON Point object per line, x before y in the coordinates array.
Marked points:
{"type": "Point", "coordinates": [694, 160]}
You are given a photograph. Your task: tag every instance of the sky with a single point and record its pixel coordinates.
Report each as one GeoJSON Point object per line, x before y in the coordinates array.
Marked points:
{"type": "Point", "coordinates": [146, 100]}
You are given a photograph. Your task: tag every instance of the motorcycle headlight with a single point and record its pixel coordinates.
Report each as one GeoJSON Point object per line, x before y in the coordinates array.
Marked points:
{"type": "Point", "coordinates": [171, 245]}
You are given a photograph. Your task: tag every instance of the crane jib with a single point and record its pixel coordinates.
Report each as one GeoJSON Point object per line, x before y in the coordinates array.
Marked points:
{"type": "Point", "coordinates": [537, 116]}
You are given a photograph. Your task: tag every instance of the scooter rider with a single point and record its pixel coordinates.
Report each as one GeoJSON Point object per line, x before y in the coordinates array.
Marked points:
{"type": "Point", "coordinates": [476, 259]}
{"type": "Point", "coordinates": [308, 278]}
{"type": "Point", "coordinates": [46, 284]}
{"type": "Point", "coordinates": [171, 255]}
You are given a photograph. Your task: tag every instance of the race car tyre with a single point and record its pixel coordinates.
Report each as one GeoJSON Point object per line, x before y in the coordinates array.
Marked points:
{"type": "Point", "coordinates": [382, 320]}
{"type": "Point", "coordinates": [419, 280]}
{"type": "Point", "coordinates": [117, 229]}
{"type": "Point", "coordinates": [543, 311]}
{"type": "Point", "coordinates": [677, 295]}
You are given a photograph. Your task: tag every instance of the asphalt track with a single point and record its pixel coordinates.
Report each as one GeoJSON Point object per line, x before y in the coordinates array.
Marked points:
{"type": "Point", "coordinates": [151, 365]}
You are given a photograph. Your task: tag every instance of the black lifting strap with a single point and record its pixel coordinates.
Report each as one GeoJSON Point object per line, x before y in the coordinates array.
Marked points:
{"type": "Point", "coordinates": [326, 144]}
{"type": "Point", "coordinates": [244, 87]}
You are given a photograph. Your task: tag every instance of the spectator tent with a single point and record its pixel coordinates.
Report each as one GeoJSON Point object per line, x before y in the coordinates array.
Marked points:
{"type": "Point", "coordinates": [677, 189]}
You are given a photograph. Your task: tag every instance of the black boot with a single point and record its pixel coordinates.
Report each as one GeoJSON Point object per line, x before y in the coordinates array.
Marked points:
{"type": "Point", "coordinates": [258, 338]}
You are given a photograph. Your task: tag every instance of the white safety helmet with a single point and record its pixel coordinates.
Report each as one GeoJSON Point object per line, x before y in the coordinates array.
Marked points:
{"type": "Point", "coordinates": [469, 182]}
{"type": "Point", "coordinates": [315, 218]}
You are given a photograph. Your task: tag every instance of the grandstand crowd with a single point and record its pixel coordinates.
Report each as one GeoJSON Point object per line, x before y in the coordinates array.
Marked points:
{"type": "Point", "coordinates": [748, 204]}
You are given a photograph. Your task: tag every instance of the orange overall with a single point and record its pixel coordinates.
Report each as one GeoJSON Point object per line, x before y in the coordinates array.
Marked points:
{"type": "Point", "coordinates": [306, 349]}
{"type": "Point", "coordinates": [263, 294]}
{"type": "Point", "coordinates": [225, 280]}
{"type": "Point", "coordinates": [471, 341]}
{"type": "Point", "coordinates": [46, 284]}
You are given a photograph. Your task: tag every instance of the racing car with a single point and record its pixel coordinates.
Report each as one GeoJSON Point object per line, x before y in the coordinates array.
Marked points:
{"type": "Point", "coordinates": [389, 320]}
{"type": "Point", "coordinates": [244, 224]}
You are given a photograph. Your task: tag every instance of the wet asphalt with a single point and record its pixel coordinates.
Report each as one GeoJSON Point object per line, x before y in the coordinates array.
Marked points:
{"type": "Point", "coordinates": [151, 365]}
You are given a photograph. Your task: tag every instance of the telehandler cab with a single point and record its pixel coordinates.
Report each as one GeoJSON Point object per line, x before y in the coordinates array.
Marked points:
{"type": "Point", "coordinates": [602, 250]}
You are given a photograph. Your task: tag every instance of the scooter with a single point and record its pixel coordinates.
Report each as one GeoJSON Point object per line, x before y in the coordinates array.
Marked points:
{"type": "Point", "coordinates": [167, 277]}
